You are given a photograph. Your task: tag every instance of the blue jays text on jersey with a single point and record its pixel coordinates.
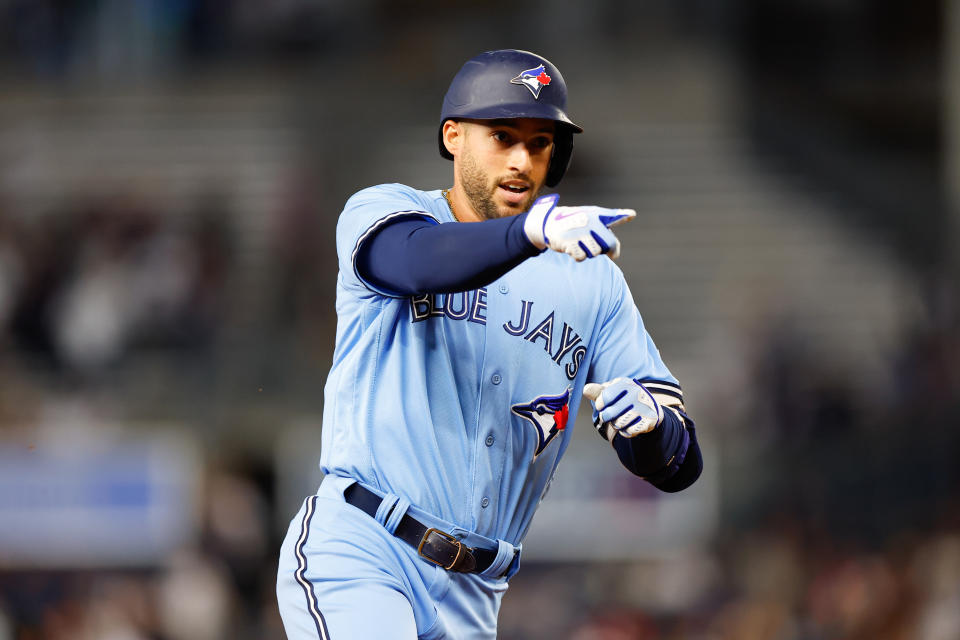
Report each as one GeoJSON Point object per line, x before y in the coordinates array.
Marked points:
{"type": "Point", "coordinates": [471, 306]}
{"type": "Point", "coordinates": [460, 402]}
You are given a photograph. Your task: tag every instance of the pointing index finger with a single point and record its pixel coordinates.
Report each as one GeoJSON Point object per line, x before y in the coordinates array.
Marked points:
{"type": "Point", "coordinates": [617, 216]}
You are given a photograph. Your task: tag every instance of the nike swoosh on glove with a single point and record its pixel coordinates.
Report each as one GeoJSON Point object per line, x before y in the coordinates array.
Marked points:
{"type": "Point", "coordinates": [580, 232]}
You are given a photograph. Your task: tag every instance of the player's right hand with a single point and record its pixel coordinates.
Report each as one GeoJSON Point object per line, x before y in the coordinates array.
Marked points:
{"type": "Point", "coordinates": [624, 404]}
{"type": "Point", "coordinates": [581, 232]}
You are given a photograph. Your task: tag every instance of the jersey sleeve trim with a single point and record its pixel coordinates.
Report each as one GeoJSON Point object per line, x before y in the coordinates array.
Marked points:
{"type": "Point", "coordinates": [371, 230]}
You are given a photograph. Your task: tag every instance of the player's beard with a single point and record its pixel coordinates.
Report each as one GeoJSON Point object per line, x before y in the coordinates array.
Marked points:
{"type": "Point", "coordinates": [480, 190]}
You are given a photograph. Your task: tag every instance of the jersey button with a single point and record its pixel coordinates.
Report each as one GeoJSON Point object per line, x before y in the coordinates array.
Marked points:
{"type": "Point", "coordinates": [489, 440]}
{"type": "Point", "coordinates": [495, 378]}
{"type": "Point", "coordinates": [503, 288]}
{"type": "Point", "coordinates": [485, 503]}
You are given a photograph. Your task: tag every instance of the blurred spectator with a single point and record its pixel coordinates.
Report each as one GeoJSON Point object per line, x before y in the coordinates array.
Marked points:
{"type": "Point", "coordinates": [179, 282]}
{"type": "Point", "coordinates": [798, 396]}
{"type": "Point", "coordinates": [48, 251]}
{"type": "Point", "coordinates": [84, 287]}
{"type": "Point", "coordinates": [11, 273]}
{"type": "Point", "coordinates": [95, 310]}
{"type": "Point", "coordinates": [6, 628]}
{"type": "Point", "coordinates": [935, 574]}
{"type": "Point", "coordinates": [623, 625]}
{"type": "Point", "coordinates": [237, 533]}
{"type": "Point", "coordinates": [195, 601]}
{"type": "Point", "coordinates": [299, 245]}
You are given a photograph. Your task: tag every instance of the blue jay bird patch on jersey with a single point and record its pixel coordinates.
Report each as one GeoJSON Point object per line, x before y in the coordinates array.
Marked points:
{"type": "Point", "coordinates": [548, 415]}
{"type": "Point", "coordinates": [534, 79]}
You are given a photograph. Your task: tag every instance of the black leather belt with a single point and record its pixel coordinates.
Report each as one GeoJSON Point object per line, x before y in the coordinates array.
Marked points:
{"type": "Point", "coordinates": [433, 545]}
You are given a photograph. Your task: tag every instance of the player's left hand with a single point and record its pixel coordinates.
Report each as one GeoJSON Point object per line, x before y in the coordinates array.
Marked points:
{"type": "Point", "coordinates": [626, 405]}
{"type": "Point", "coordinates": [581, 232]}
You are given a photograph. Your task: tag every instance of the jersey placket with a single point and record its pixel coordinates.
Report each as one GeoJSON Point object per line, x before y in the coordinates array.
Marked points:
{"type": "Point", "coordinates": [494, 396]}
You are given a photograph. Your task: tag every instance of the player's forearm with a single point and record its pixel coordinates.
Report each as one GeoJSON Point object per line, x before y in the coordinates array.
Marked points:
{"type": "Point", "coordinates": [414, 256]}
{"type": "Point", "coordinates": [689, 470]}
{"type": "Point", "coordinates": [668, 457]}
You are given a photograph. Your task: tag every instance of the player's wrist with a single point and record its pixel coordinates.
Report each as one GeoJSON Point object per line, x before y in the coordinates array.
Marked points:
{"type": "Point", "coordinates": [534, 225]}
{"type": "Point", "coordinates": [518, 235]}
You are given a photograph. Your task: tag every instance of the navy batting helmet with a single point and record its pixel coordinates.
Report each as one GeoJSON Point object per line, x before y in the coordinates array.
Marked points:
{"type": "Point", "coordinates": [510, 83]}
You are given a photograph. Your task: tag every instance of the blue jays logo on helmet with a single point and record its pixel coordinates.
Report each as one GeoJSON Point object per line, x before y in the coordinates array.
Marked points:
{"type": "Point", "coordinates": [548, 415]}
{"type": "Point", "coordinates": [534, 79]}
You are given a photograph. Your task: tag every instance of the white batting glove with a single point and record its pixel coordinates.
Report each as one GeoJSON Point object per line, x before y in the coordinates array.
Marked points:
{"type": "Point", "coordinates": [625, 405]}
{"type": "Point", "coordinates": [581, 232]}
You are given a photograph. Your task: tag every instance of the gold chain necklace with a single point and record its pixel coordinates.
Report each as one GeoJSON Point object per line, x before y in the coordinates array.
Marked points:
{"type": "Point", "coordinates": [446, 196]}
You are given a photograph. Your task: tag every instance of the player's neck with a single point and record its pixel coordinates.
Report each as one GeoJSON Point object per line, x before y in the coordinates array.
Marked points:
{"type": "Point", "coordinates": [460, 205]}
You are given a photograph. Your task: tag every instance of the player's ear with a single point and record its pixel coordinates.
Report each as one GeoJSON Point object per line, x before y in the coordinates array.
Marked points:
{"type": "Point", "coordinates": [453, 133]}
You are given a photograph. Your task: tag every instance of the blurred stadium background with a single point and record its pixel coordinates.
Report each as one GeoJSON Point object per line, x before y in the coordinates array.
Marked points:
{"type": "Point", "coordinates": [170, 176]}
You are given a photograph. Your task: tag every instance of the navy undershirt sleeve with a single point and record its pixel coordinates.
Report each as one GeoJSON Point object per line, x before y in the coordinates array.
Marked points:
{"type": "Point", "coordinates": [414, 255]}
{"type": "Point", "coordinates": [668, 457]}
{"type": "Point", "coordinates": [690, 469]}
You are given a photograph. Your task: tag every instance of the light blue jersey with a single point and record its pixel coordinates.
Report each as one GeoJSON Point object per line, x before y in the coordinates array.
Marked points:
{"type": "Point", "coordinates": [460, 402]}
{"type": "Point", "coordinates": [462, 405]}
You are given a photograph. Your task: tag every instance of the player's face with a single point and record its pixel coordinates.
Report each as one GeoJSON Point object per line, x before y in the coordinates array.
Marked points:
{"type": "Point", "coordinates": [503, 164]}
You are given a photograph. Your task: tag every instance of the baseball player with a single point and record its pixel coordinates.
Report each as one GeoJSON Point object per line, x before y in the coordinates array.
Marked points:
{"type": "Point", "coordinates": [470, 322]}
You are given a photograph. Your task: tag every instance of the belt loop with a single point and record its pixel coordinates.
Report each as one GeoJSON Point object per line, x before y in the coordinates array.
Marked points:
{"type": "Point", "coordinates": [506, 553]}
{"type": "Point", "coordinates": [402, 504]}
{"type": "Point", "coordinates": [388, 503]}
{"type": "Point", "coordinates": [515, 565]}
